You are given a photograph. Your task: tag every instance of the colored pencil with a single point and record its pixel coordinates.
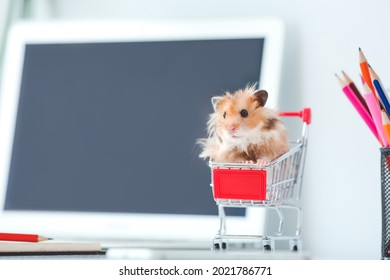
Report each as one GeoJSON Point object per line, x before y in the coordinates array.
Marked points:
{"type": "Point", "coordinates": [22, 237]}
{"type": "Point", "coordinates": [380, 90]}
{"type": "Point", "coordinates": [355, 90]}
{"type": "Point", "coordinates": [375, 113]}
{"type": "Point", "coordinates": [364, 69]}
{"type": "Point", "coordinates": [386, 124]}
{"type": "Point", "coordinates": [355, 102]}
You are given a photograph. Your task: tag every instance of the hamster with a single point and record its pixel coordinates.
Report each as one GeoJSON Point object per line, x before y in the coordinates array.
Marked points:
{"type": "Point", "coordinates": [242, 130]}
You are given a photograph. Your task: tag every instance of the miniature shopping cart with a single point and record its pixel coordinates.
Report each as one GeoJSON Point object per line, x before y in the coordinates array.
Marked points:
{"type": "Point", "coordinates": [276, 186]}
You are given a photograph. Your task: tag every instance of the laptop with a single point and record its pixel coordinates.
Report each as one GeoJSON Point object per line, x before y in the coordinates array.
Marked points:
{"type": "Point", "coordinates": [99, 122]}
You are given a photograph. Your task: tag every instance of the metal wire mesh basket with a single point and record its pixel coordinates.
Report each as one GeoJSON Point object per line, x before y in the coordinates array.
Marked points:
{"type": "Point", "coordinates": [385, 186]}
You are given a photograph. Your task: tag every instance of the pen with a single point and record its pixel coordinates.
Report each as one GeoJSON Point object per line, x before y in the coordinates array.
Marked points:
{"type": "Point", "coordinates": [22, 237]}
{"type": "Point", "coordinates": [358, 106]}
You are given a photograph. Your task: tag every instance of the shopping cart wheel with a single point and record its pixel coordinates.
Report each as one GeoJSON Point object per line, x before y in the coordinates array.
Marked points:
{"type": "Point", "coordinates": [295, 248]}
{"type": "Point", "coordinates": [268, 244]}
{"type": "Point", "coordinates": [295, 245]}
{"type": "Point", "coordinates": [220, 245]}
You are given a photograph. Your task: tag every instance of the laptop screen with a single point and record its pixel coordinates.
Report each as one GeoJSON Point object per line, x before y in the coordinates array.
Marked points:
{"type": "Point", "coordinates": [112, 127]}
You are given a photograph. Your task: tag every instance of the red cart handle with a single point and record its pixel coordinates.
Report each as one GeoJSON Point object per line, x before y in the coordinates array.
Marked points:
{"type": "Point", "coordinates": [305, 114]}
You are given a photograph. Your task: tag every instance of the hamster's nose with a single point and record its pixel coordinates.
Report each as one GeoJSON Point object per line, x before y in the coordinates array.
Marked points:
{"type": "Point", "coordinates": [232, 127]}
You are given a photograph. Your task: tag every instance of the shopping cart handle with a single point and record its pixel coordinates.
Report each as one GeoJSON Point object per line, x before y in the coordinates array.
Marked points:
{"type": "Point", "coordinates": [305, 114]}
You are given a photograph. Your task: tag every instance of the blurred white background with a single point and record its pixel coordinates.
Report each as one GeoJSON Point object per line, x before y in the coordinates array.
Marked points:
{"type": "Point", "coordinates": [341, 195]}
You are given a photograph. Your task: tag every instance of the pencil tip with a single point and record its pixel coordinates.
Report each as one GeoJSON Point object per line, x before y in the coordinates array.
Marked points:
{"type": "Point", "coordinates": [360, 48]}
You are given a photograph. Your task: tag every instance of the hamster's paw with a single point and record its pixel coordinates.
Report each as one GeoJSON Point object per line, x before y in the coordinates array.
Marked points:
{"type": "Point", "coordinates": [262, 162]}
{"type": "Point", "coordinates": [248, 162]}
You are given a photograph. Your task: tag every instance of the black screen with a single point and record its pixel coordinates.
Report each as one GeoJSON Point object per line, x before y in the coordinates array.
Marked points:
{"type": "Point", "coordinates": [112, 127]}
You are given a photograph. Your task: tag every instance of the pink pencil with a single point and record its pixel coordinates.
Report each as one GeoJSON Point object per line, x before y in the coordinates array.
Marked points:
{"type": "Point", "coordinates": [358, 106]}
{"type": "Point", "coordinates": [376, 113]}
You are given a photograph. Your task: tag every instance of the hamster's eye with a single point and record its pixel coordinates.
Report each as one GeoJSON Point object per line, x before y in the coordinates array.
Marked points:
{"type": "Point", "coordinates": [244, 113]}
{"type": "Point", "coordinates": [224, 114]}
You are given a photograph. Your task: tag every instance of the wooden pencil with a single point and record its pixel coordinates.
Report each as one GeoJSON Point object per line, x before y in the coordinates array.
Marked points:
{"type": "Point", "coordinates": [364, 69]}
{"type": "Point", "coordinates": [375, 113]}
{"type": "Point", "coordinates": [380, 90]}
{"type": "Point", "coordinates": [386, 124]}
{"type": "Point", "coordinates": [355, 90]}
{"type": "Point", "coordinates": [364, 114]}
{"type": "Point", "coordinates": [22, 237]}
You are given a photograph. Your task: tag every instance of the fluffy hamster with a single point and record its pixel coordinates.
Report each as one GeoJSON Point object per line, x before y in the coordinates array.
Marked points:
{"type": "Point", "coordinates": [242, 130]}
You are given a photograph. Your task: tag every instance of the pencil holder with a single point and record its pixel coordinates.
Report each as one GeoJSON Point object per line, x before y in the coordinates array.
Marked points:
{"type": "Point", "coordinates": [385, 186]}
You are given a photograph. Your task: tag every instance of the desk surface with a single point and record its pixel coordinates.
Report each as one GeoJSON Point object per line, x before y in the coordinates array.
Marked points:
{"type": "Point", "coordinates": [157, 254]}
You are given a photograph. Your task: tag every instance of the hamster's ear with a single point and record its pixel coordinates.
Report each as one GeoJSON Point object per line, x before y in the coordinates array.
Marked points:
{"type": "Point", "coordinates": [261, 96]}
{"type": "Point", "coordinates": [215, 100]}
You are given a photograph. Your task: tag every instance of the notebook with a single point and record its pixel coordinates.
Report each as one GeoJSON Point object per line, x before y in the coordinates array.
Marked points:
{"type": "Point", "coordinates": [99, 120]}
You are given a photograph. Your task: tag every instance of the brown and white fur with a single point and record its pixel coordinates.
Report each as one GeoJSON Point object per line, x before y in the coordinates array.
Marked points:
{"type": "Point", "coordinates": [242, 130]}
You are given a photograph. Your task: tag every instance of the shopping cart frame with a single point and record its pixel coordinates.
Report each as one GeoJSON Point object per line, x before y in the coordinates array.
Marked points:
{"type": "Point", "coordinates": [277, 186]}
